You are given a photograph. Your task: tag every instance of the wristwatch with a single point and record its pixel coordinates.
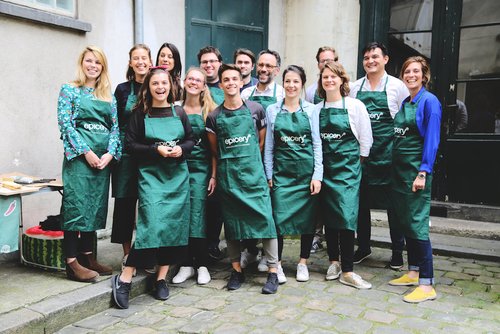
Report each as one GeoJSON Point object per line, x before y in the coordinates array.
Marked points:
{"type": "Point", "coordinates": [421, 176]}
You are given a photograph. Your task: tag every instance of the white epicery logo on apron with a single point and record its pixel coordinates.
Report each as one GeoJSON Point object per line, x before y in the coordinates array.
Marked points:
{"type": "Point", "coordinates": [243, 140]}
{"type": "Point", "coordinates": [170, 143]}
{"type": "Point", "coordinates": [198, 142]}
{"type": "Point", "coordinates": [375, 115]}
{"type": "Point", "coordinates": [299, 139]}
{"type": "Point", "coordinates": [332, 136]}
{"type": "Point", "coordinates": [95, 127]}
{"type": "Point", "coordinates": [400, 131]}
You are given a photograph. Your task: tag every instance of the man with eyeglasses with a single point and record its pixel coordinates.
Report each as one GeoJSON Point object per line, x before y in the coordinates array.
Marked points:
{"type": "Point", "coordinates": [210, 60]}
{"type": "Point", "coordinates": [382, 95]}
{"type": "Point", "coordinates": [266, 92]}
{"type": "Point", "coordinates": [325, 54]}
{"type": "Point", "coordinates": [245, 60]}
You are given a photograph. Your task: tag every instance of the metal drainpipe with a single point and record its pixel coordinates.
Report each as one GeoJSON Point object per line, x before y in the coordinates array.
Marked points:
{"type": "Point", "coordinates": [138, 22]}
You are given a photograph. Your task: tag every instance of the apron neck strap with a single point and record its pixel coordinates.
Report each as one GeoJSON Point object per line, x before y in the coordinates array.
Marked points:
{"type": "Point", "coordinates": [283, 103]}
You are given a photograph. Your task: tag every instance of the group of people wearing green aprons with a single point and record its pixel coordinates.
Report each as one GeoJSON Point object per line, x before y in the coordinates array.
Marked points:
{"type": "Point", "coordinates": [176, 155]}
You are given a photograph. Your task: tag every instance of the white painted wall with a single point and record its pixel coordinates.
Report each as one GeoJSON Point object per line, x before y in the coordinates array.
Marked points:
{"type": "Point", "coordinates": [39, 60]}
{"type": "Point", "coordinates": [315, 23]}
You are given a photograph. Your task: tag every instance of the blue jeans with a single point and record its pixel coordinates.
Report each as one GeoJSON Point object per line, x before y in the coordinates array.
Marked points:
{"type": "Point", "coordinates": [420, 259]}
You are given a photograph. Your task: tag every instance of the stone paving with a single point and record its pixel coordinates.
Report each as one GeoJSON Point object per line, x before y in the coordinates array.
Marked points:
{"type": "Point", "coordinates": [468, 302]}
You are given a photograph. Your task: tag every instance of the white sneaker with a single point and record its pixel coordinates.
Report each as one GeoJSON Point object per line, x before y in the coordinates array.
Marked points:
{"type": "Point", "coordinates": [281, 275]}
{"type": "Point", "coordinates": [302, 273]}
{"type": "Point", "coordinates": [203, 275]}
{"type": "Point", "coordinates": [248, 258]}
{"type": "Point", "coordinates": [124, 260]}
{"type": "Point", "coordinates": [262, 267]}
{"type": "Point", "coordinates": [183, 274]}
{"type": "Point", "coordinates": [333, 272]}
{"type": "Point", "coordinates": [356, 281]}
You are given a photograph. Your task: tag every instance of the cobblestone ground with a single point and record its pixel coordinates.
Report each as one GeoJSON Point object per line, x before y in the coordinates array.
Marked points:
{"type": "Point", "coordinates": [468, 302]}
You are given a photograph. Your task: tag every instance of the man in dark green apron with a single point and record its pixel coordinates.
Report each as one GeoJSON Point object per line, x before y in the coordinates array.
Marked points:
{"type": "Point", "coordinates": [236, 132]}
{"type": "Point", "coordinates": [210, 60]}
{"type": "Point", "coordinates": [382, 95]}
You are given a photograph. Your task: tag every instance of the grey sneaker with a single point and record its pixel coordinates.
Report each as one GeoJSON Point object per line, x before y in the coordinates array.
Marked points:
{"type": "Point", "coordinates": [248, 258]}
{"type": "Point", "coordinates": [302, 273]}
{"type": "Point", "coordinates": [281, 275]}
{"type": "Point", "coordinates": [356, 281]}
{"type": "Point", "coordinates": [333, 272]}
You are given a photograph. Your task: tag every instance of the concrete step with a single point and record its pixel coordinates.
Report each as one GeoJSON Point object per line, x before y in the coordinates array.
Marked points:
{"type": "Point", "coordinates": [476, 212]}
{"type": "Point", "coordinates": [448, 245]}
{"type": "Point", "coordinates": [450, 226]}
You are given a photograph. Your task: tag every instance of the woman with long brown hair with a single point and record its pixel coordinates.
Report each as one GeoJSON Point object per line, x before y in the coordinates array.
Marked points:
{"type": "Point", "coordinates": [159, 136]}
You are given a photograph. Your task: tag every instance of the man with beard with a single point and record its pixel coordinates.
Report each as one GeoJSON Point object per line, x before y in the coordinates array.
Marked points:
{"type": "Point", "coordinates": [210, 60]}
{"type": "Point", "coordinates": [266, 92]}
{"type": "Point", "coordinates": [245, 60]}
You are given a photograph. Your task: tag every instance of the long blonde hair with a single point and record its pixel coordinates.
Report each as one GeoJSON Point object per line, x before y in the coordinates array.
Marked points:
{"type": "Point", "coordinates": [102, 89]}
{"type": "Point", "coordinates": [206, 101]}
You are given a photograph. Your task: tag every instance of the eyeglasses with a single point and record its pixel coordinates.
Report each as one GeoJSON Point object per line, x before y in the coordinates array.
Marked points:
{"type": "Point", "coordinates": [210, 61]}
{"type": "Point", "coordinates": [195, 80]}
{"type": "Point", "coordinates": [324, 61]}
{"type": "Point", "coordinates": [269, 66]}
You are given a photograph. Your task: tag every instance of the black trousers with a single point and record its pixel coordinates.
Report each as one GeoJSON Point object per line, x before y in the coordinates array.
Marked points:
{"type": "Point", "coordinates": [364, 230]}
{"type": "Point", "coordinates": [305, 246]}
{"type": "Point", "coordinates": [214, 220]}
{"type": "Point", "coordinates": [78, 242]}
{"type": "Point", "coordinates": [197, 253]}
{"type": "Point", "coordinates": [340, 247]}
{"type": "Point", "coordinates": [162, 256]}
{"type": "Point", "coordinates": [123, 220]}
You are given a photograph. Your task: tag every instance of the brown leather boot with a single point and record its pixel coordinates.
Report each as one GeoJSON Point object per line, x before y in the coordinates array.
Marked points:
{"type": "Point", "coordinates": [77, 272]}
{"type": "Point", "coordinates": [89, 261]}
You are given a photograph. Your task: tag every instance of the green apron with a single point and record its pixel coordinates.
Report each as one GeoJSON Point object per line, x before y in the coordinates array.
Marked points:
{"type": "Point", "coordinates": [316, 98]}
{"type": "Point", "coordinates": [293, 205]}
{"type": "Point", "coordinates": [377, 168]}
{"type": "Point", "coordinates": [163, 219]}
{"type": "Point", "coordinates": [217, 95]}
{"type": "Point", "coordinates": [243, 189]}
{"type": "Point", "coordinates": [124, 173]}
{"type": "Point", "coordinates": [199, 174]}
{"type": "Point", "coordinates": [86, 189]}
{"type": "Point", "coordinates": [342, 169]}
{"type": "Point", "coordinates": [412, 209]}
{"type": "Point", "coordinates": [264, 101]}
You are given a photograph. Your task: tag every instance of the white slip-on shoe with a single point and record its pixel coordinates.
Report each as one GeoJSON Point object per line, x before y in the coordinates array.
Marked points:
{"type": "Point", "coordinates": [183, 274]}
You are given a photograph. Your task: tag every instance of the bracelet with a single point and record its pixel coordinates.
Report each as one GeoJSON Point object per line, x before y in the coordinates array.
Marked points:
{"type": "Point", "coordinates": [213, 177]}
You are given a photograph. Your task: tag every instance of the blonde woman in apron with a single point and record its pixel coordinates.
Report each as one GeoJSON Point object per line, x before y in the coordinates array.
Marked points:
{"type": "Point", "coordinates": [416, 141]}
{"type": "Point", "coordinates": [197, 103]}
{"type": "Point", "coordinates": [159, 136]}
{"type": "Point", "coordinates": [87, 118]}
